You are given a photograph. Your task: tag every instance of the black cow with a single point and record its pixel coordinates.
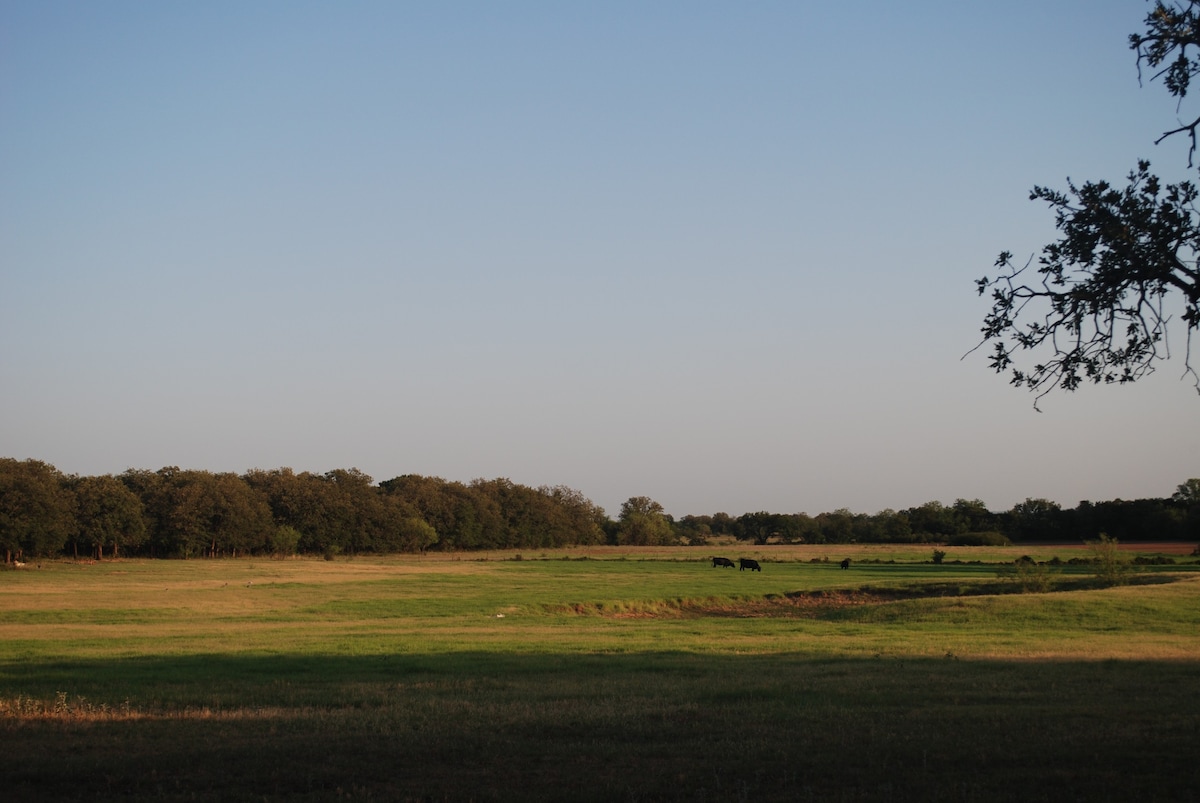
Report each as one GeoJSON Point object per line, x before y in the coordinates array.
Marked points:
{"type": "Point", "coordinates": [722, 562]}
{"type": "Point", "coordinates": [748, 563]}
{"type": "Point", "coordinates": [846, 563]}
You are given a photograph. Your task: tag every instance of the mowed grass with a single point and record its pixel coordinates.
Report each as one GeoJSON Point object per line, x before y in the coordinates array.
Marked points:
{"type": "Point", "coordinates": [599, 674]}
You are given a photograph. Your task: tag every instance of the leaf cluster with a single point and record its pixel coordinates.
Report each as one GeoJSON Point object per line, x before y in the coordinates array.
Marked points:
{"type": "Point", "coordinates": [1098, 295]}
{"type": "Point", "coordinates": [1101, 298]}
{"type": "Point", "coordinates": [1171, 31]}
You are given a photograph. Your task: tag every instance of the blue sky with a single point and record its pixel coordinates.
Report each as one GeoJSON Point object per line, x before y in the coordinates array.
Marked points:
{"type": "Point", "coordinates": [718, 254]}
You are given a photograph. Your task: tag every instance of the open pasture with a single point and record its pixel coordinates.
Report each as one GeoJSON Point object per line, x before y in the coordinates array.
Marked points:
{"type": "Point", "coordinates": [601, 674]}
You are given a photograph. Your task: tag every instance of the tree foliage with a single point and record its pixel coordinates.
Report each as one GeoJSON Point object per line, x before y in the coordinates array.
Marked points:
{"type": "Point", "coordinates": [1188, 492]}
{"type": "Point", "coordinates": [36, 510]}
{"type": "Point", "coordinates": [1099, 301]}
{"type": "Point", "coordinates": [211, 514]}
{"type": "Point", "coordinates": [643, 523]}
{"type": "Point", "coordinates": [108, 515]}
{"type": "Point", "coordinates": [181, 513]}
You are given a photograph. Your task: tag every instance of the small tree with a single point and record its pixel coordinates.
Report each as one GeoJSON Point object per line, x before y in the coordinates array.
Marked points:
{"type": "Point", "coordinates": [284, 540]}
{"type": "Point", "coordinates": [1111, 566]}
{"type": "Point", "coordinates": [643, 523]}
{"type": "Point", "coordinates": [417, 535]}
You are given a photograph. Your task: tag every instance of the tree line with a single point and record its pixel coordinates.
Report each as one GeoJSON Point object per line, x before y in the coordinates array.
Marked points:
{"type": "Point", "coordinates": [970, 523]}
{"type": "Point", "coordinates": [183, 513]}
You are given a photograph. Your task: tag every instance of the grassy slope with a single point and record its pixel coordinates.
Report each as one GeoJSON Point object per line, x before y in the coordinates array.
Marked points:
{"type": "Point", "coordinates": [603, 679]}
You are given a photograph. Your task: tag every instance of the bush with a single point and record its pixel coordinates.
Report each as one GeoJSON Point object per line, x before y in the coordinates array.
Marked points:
{"type": "Point", "coordinates": [1155, 560]}
{"type": "Point", "coordinates": [285, 540]}
{"type": "Point", "coordinates": [1032, 578]}
{"type": "Point", "coordinates": [1027, 576]}
{"type": "Point", "coordinates": [939, 555]}
{"type": "Point", "coordinates": [1111, 566]}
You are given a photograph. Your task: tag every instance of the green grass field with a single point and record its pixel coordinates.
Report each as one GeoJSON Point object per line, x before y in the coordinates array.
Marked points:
{"type": "Point", "coordinates": [601, 674]}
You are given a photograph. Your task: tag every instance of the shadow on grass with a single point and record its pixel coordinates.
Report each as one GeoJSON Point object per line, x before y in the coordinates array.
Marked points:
{"type": "Point", "coordinates": [657, 726]}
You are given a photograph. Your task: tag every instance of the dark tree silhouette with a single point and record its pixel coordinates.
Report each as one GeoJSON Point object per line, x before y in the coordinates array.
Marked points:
{"type": "Point", "coordinates": [1100, 299]}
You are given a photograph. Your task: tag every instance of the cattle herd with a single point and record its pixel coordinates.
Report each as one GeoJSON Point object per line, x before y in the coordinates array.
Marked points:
{"type": "Point", "coordinates": [742, 564]}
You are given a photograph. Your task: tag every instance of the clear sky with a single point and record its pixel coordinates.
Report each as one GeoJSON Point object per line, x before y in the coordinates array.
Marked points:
{"type": "Point", "coordinates": [719, 254]}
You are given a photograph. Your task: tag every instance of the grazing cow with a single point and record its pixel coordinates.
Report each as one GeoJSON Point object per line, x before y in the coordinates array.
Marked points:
{"type": "Point", "coordinates": [846, 563]}
{"type": "Point", "coordinates": [722, 562]}
{"type": "Point", "coordinates": [748, 563]}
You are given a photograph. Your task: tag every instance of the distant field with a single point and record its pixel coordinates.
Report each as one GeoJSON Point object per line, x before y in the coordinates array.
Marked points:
{"type": "Point", "coordinates": [603, 674]}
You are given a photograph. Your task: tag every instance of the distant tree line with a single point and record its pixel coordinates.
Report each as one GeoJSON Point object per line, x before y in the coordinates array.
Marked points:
{"type": "Point", "coordinates": [182, 513]}
{"type": "Point", "coordinates": [967, 523]}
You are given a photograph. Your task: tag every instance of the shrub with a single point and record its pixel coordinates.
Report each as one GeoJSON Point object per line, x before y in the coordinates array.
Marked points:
{"type": "Point", "coordinates": [1111, 566]}
{"type": "Point", "coordinates": [285, 540]}
{"type": "Point", "coordinates": [1027, 576]}
{"type": "Point", "coordinates": [1153, 560]}
{"type": "Point", "coordinates": [1032, 578]}
{"type": "Point", "coordinates": [939, 555]}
